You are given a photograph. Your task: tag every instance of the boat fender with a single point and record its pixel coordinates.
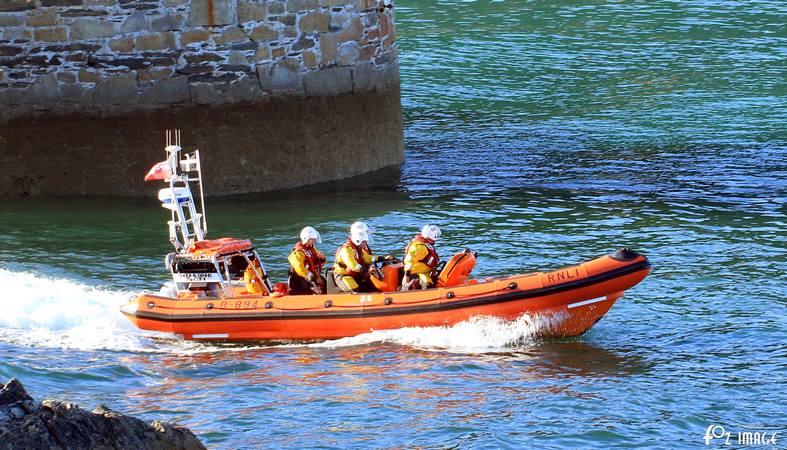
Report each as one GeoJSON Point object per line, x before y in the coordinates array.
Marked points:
{"type": "Point", "coordinates": [388, 300]}
{"type": "Point", "coordinates": [449, 294]}
{"type": "Point", "coordinates": [512, 285]}
{"type": "Point", "coordinates": [328, 303]}
{"type": "Point", "coordinates": [268, 305]}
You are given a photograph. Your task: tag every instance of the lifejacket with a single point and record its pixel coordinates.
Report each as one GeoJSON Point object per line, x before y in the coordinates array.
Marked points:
{"type": "Point", "coordinates": [314, 259]}
{"type": "Point", "coordinates": [431, 259]}
{"type": "Point", "coordinates": [358, 252]}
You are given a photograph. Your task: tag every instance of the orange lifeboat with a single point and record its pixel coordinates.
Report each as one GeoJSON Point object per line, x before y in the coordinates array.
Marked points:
{"type": "Point", "coordinates": [575, 297]}
{"type": "Point", "coordinates": [220, 290]}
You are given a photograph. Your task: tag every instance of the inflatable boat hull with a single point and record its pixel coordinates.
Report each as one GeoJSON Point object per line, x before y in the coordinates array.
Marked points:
{"type": "Point", "coordinates": [572, 298]}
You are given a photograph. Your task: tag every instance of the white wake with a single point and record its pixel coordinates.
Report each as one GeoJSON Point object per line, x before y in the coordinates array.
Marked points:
{"type": "Point", "coordinates": [50, 312]}
{"type": "Point", "coordinates": [478, 334]}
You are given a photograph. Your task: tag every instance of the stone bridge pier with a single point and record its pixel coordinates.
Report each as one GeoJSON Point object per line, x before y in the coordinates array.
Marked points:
{"type": "Point", "coordinates": [275, 93]}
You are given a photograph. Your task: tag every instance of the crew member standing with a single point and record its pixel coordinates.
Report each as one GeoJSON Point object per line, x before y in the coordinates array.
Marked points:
{"type": "Point", "coordinates": [306, 264]}
{"type": "Point", "coordinates": [421, 259]}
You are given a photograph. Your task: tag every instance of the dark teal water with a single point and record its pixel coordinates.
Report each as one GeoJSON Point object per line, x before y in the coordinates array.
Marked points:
{"type": "Point", "coordinates": [539, 134]}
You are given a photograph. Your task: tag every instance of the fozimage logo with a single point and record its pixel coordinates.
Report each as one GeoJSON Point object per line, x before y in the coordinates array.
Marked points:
{"type": "Point", "coordinates": [748, 435]}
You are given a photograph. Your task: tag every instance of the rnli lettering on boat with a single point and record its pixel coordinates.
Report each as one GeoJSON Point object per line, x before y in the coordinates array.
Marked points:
{"type": "Point", "coordinates": [564, 275]}
{"type": "Point", "coordinates": [196, 277]}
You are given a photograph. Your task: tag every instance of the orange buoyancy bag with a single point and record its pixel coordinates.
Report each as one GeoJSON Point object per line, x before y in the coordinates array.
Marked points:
{"type": "Point", "coordinates": [457, 269]}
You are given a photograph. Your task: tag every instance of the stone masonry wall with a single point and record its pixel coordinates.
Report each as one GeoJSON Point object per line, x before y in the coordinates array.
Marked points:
{"type": "Point", "coordinates": [112, 55]}
{"type": "Point", "coordinates": [69, 65]}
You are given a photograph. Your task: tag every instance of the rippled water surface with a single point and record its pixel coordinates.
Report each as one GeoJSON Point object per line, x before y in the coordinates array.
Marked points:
{"type": "Point", "coordinates": [538, 133]}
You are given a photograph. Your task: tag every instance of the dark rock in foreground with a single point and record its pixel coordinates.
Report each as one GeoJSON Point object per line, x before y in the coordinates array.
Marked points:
{"type": "Point", "coordinates": [26, 423]}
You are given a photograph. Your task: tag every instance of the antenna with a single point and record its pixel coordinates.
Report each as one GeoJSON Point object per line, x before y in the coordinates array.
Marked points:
{"type": "Point", "coordinates": [188, 224]}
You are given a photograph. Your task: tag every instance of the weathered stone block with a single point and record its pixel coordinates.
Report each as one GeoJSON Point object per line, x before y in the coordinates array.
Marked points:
{"type": "Point", "coordinates": [46, 3]}
{"type": "Point", "coordinates": [155, 73]}
{"type": "Point", "coordinates": [16, 5]}
{"type": "Point", "coordinates": [302, 5]}
{"type": "Point", "coordinates": [72, 93]}
{"type": "Point", "coordinates": [42, 18]}
{"type": "Point", "coordinates": [83, 13]}
{"type": "Point", "coordinates": [352, 32]}
{"type": "Point", "coordinates": [276, 7]}
{"type": "Point", "coordinates": [169, 22]}
{"type": "Point", "coordinates": [246, 89]}
{"type": "Point", "coordinates": [251, 11]}
{"type": "Point", "coordinates": [282, 77]}
{"type": "Point", "coordinates": [238, 57]}
{"type": "Point", "coordinates": [278, 52]}
{"type": "Point", "coordinates": [263, 33]}
{"type": "Point", "coordinates": [54, 34]}
{"type": "Point", "coordinates": [174, 3]}
{"type": "Point", "coordinates": [99, 2]}
{"type": "Point", "coordinates": [10, 20]}
{"type": "Point", "coordinates": [89, 76]}
{"type": "Point", "coordinates": [263, 53]}
{"type": "Point", "coordinates": [363, 5]}
{"type": "Point", "coordinates": [338, 20]}
{"type": "Point", "coordinates": [171, 91]}
{"type": "Point", "coordinates": [366, 78]}
{"type": "Point", "coordinates": [10, 50]}
{"type": "Point", "coordinates": [315, 22]}
{"type": "Point", "coordinates": [309, 59]}
{"type": "Point", "coordinates": [197, 58]}
{"type": "Point", "coordinates": [232, 34]}
{"type": "Point", "coordinates": [85, 29]}
{"type": "Point", "coordinates": [194, 36]}
{"type": "Point", "coordinates": [244, 46]}
{"type": "Point", "coordinates": [43, 91]}
{"type": "Point", "coordinates": [116, 90]}
{"type": "Point", "coordinates": [288, 19]}
{"type": "Point", "coordinates": [67, 77]}
{"type": "Point", "coordinates": [211, 13]}
{"type": "Point", "coordinates": [16, 34]}
{"type": "Point", "coordinates": [135, 23]}
{"type": "Point", "coordinates": [206, 94]}
{"type": "Point", "coordinates": [303, 43]}
{"type": "Point", "coordinates": [157, 41]}
{"type": "Point", "coordinates": [327, 82]}
{"type": "Point", "coordinates": [328, 49]}
{"type": "Point", "coordinates": [367, 53]}
{"type": "Point", "coordinates": [330, 3]}
{"type": "Point", "coordinates": [348, 53]}
{"type": "Point", "coordinates": [122, 45]}
{"type": "Point", "coordinates": [112, 62]}
{"type": "Point", "coordinates": [386, 57]}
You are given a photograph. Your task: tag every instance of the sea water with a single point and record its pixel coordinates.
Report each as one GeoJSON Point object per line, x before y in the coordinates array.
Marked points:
{"type": "Point", "coordinates": [539, 134]}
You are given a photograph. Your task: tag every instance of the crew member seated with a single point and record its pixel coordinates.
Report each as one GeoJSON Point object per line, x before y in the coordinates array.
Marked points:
{"type": "Point", "coordinates": [353, 263]}
{"type": "Point", "coordinates": [251, 278]}
{"type": "Point", "coordinates": [306, 264]}
{"type": "Point", "coordinates": [421, 259]}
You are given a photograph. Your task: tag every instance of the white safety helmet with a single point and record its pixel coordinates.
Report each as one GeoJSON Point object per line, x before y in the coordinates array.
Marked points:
{"type": "Point", "coordinates": [362, 226]}
{"type": "Point", "coordinates": [310, 233]}
{"type": "Point", "coordinates": [358, 236]}
{"type": "Point", "coordinates": [431, 232]}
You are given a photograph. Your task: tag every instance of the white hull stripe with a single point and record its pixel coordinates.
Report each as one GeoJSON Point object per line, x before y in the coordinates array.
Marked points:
{"type": "Point", "coordinates": [586, 302]}
{"type": "Point", "coordinates": [210, 336]}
